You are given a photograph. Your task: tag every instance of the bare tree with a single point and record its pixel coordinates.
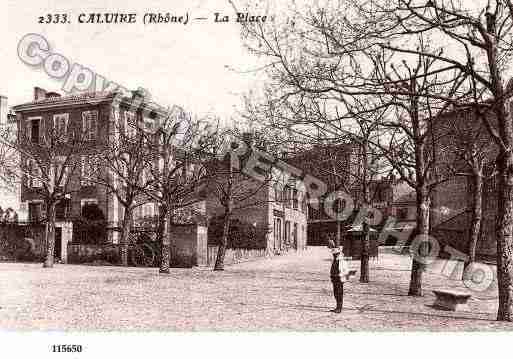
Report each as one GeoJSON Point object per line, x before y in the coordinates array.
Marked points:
{"type": "Point", "coordinates": [47, 166]}
{"type": "Point", "coordinates": [178, 149]}
{"type": "Point", "coordinates": [316, 60]}
{"type": "Point", "coordinates": [233, 188]}
{"type": "Point", "coordinates": [477, 41]}
{"type": "Point", "coordinates": [121, 167]}
{"type": "Point", "coordinates": [468, 153]}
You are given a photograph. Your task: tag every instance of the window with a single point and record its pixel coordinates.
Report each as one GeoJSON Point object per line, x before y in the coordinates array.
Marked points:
{"type": "Point", "coordinates": [61, 172]}
{"type": "Point", "coordinates": [90, 124]}
{"type": "Point", "coordinates": [278, 193]}
{"type": "Point", "coordinates": [34, 129]}
{"type": "Point", "coordinates": [295, 199]}
{"type": "Point", "coordinates": [35, 211]}
{"type": "Point", "coordinates": [87, 202]}
{"type": "Point", "coordinates": [287, 232]}
{"type": "Point", "coordinates": [287, 196]}
{"type": "Point", "coordinates": [130, 124]}
{"type": "Point", "coordinates": [60, 124]}
{"type": "Point", "coordinates": [62, 209]}
{"type": "Point", "coordinates": [277, 234]}
{"type": "Point", "coordinates": [148, 210]}
{"type": "Point", "coordinates": [34, 174]}
{"type": "Point", "coordinates": [87, 172]}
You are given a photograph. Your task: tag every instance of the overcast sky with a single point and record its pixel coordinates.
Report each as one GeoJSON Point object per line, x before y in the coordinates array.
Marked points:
{"type": "Point", "coordinates": [180, 64]}
{"type": "Point", "coordinates": [188, 65]}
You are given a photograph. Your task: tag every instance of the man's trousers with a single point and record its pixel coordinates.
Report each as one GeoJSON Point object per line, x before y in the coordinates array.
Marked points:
{"type": "Point", "coordinates": [338, 292]}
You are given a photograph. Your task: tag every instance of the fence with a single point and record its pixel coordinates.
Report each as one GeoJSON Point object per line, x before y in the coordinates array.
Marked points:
{"type": "Point", "coordinates": [139, 255]}
{"type": "Point", "coordinates": [234, 255]}
{"type": "Point", "coordinates": [21, 242]}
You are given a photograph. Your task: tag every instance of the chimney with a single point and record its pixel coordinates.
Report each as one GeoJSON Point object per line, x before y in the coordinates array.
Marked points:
{"type": "Point", "coordinates": [4, 110]}
{"type": "Point", "coordinates": [39, 93]}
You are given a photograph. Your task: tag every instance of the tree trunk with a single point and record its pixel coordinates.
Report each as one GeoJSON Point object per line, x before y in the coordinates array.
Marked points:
{"type": "Point", "coordinates": [364, 261]}
{"type": "Point", "coordinates": [418, 267]}
{"type": "Point", "coordinates": [224, 242]}
{"type": "Point", "coordinates": [475, 225]}
{"type": "Point", "coordinates": [125, 234]}
{"type": "Point", "coordinates": [161, 223]}
{"type": "Point", "coordinates": [505, 235]}
{"type": "Point", "coordinates": [50, 235]}
{"type": "Point", "coordinates": [165, 248]}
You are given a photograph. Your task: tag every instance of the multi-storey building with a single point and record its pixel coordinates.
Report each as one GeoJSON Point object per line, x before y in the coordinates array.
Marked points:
{"type": "Point", "coordinates": [97, 116]}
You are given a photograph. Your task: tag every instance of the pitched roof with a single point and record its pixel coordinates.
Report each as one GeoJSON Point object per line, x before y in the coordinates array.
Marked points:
{"type": "Point", "coordinates": [74, 99]}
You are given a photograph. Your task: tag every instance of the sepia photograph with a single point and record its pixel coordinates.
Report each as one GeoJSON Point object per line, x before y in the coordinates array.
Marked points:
{"type": "Point", "coordinates": [292, 173]}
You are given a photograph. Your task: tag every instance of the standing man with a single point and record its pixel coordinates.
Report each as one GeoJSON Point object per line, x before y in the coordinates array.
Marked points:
{"type": "Point", "coordinates": [339, 273]}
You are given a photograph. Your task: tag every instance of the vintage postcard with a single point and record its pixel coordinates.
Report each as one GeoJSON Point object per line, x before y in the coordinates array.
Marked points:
{"type": "Point", "coordinates": [281, 167]}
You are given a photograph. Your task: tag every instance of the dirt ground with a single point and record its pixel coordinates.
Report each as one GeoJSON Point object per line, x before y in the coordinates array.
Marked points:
{"type": "Point", "coordinates": [289, 292]}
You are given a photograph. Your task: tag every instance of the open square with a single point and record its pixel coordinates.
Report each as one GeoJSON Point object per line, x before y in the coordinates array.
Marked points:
{"type": "Point", "coordinates": [290, 292]}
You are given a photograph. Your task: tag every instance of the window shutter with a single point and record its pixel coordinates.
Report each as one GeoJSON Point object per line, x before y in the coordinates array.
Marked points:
{"type": "Point", "coordinates": [42, 130]}
{"type": "Point", "coordinates": [28, 132]}
{"type": "Point", "coordinates": [89, 124]}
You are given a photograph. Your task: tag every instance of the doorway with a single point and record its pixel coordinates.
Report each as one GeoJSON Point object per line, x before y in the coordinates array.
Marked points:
{"type": "Point", "coordinates": [57, 250]}
{"type": "Point", "coordinates": [277, 234]}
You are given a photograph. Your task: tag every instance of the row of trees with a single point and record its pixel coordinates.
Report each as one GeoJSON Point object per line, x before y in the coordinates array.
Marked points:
{"type": "Point", "coordinates": [165, 163]}
{"type": "Point", "coordinates": [390, 73]}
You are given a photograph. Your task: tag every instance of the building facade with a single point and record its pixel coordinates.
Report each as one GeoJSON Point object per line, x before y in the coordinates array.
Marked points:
{"type": "Point", "coordinates": [452, 198]}
{"type": "Point", "coordinates": [278, 207]}
{"type": "Point", "coordinates": [340, 167]}
{"type": "Point", "coordinates": [97, 116]}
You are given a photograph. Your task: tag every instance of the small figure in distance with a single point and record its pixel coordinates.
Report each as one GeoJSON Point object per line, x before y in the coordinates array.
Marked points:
{"type": "Point", "coordinates": [339, 274]}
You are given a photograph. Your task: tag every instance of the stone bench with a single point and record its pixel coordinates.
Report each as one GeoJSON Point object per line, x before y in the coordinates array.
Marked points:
{"type": "Point", "coordinates": [451, 299]}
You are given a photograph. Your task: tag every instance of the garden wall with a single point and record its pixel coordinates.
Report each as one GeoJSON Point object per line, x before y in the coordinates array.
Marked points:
{"type": "Point", "coordinates": [93, 253]}
{"type": "Point", "coordinates": [21, 242]}
{"type": "Point", "coordinates": [188, 249]}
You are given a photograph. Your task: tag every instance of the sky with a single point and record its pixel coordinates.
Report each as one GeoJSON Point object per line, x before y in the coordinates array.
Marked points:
{"type": "Point", "coordinates": [201, 66]}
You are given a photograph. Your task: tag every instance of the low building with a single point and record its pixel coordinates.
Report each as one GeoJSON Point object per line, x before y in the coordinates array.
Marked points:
{"type": "Point", "coordinates": [278, 208]}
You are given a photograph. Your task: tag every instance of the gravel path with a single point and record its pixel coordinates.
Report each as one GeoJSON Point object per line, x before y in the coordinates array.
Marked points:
{"type": "Point", "coordinates": [290, 292]}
